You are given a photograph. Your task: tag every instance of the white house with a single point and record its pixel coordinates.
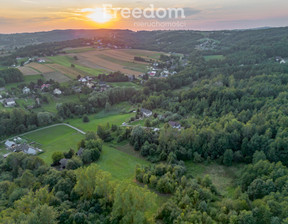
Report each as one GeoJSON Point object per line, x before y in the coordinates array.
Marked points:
{"type": "Point", "coordinates": [146, 113]}
{"type": "Point", "coordinates": [57, 92]}
{"type": "Point", "coordinates": [26, 90]}
{"type": "Point", "coordinates": [9, 144]}
{"type": "Point", "coordinates": [282, 61]}
{"type": "Point", "coordinates": [10, 102]}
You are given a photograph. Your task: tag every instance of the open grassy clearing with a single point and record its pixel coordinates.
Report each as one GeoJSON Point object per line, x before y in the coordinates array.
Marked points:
{"type": "Point", "coordinates": [101, 118]}
{"type": "Point", "coordinates": [120, 164]}
{"type": "Point", "coordinates": [214, 57]}
{"type": "Point", "coordinates": [224, 178]}
{"type": "Point", "coordinates": [55, 139]}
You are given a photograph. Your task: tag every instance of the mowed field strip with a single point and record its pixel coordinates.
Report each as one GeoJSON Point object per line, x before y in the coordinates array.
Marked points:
{"type": "Point", "coordinates": [28, 71]}
{"type": "Point", "coordinates": [48, 71]}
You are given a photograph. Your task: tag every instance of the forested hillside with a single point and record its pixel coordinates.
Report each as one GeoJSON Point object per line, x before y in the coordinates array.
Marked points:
{"type": "Point", "coordinates": [224, 112]}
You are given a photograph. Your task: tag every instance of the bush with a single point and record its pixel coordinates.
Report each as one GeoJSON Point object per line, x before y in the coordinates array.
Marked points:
{"type": "Point", "coordinates": [56, 157]}
{"type": "Point", "coordinates": [85, 119]}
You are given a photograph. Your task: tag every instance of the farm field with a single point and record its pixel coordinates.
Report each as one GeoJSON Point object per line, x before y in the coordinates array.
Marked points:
{"type": "Point", "coordinates": [222, 177]}
{"type": "Point", "coordinates": [71, 72]}
{"type": "Point", "coordinates": [56, 76]}
{"type": "Point", "coordinates": [66, 61]}
{"type": "Point", "coordinates": [55, 139]}
{"type": "Point", "coordinates": [28, 71]}
{"type": "Point", "coordinates": [114, 59]}
{"type": "Point", "coordinates": [42, 68]}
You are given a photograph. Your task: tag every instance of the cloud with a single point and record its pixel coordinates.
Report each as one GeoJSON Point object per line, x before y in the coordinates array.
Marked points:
{"type": "Point", "coordinates": [191, 11]}
{"type": "Point", "coordinates": [5, 20]}
{"type": "Point", "coordinates": [30, 1]}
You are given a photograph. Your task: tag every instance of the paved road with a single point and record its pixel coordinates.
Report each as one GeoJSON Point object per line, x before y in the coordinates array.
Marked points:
{"type": "Point", "coordinates": [51, 126]}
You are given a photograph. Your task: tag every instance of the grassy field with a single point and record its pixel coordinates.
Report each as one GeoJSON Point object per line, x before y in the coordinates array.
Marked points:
{"type": "Point", "coordinates": [101, 118]}
{"type": "Point", "coordinates": [130, 65]}
{"type": "Point", "coordinates": [27, 79]}
{"type": "Point", "coordinates": [120, 164]}
{"type": "Point", "coordinates": [125, 84]}
{"type": "Point", "coordinates": [214, 57]}
{"type": "Point", "coordinates": [80, 50]}
{"type": "Point", "coordinates": [55, 139]}
{"type": "Point", "coordinates": [67, 61]}
{"type": "Point", "coordinates": [224, 178]}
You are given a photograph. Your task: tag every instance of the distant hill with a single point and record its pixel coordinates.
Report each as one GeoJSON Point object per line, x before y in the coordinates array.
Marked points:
{"type": "Point", "coordinates": [236, 45]}
{"type": "Point", "coordinates": [9, 41]}
{"type": "Point", "coordinates": [178, 41]}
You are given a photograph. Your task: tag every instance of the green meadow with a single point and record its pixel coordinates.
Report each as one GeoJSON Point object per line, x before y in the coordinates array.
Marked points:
{"type": "Point", "coordinates": [55, 139]}
{"type": "Point", "coordinates": [101, 118]}
{"type": "Point", "coordinates": [223, 177]}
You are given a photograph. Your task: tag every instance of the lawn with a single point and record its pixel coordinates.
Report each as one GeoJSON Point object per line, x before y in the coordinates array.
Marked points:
{"type": "Point", "coordinates": [101, 118]}
{"type": "Point", "coordinates": [55, 139]}
{"type": "Point", "coordinates": [224, 178]}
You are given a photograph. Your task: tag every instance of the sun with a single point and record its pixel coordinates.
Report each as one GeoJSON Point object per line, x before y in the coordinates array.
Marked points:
{"type": "Point", "coordinates": [100, 15]}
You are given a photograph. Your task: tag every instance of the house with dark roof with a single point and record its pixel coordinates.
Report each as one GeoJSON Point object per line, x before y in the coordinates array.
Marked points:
{"type": "Point", "coordinates": [80, 152]}
{"type": "Point", "coordinates": [25, 148]}
{"type": "Point", "coordinates": [174, 124]}
{"type": "Point", "coordinates": [63, 163]}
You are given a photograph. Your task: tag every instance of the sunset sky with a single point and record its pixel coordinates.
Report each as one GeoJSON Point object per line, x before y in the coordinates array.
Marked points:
{"type": "Point", "coordinates": [42, 15]}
